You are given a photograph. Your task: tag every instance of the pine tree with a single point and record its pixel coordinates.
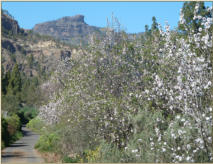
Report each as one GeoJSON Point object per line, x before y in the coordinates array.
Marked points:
{"type": "Point", "coordinates": [5, 82]}
{"type": "Point", "coordinates": [154, 24]}
{"type": "Point", "coordinates": [147, 30]}
{"type": "Point", "coordinates": [15, 82]}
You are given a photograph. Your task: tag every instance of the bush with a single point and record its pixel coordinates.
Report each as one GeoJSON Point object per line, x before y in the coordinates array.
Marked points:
{"type": "Point", "coordinates": [36, 125]}
{"type": "Point", "coordinates": [10, 103]}
{"type": "Point", "coordinates": [48, 143]}
{"type": "Point", "coordinates": [14, 124]}
{"type": "Point", "coordinates": [2, 145]}
{"type": "Point", "coordinates": [109, 153]}
{"type": "Point", "coordinates": [92, 155]}
{"type": "Point", "coordinates": [16, 136]}
{"type": "Point", "coordinates": [27, 113]}
{"type": "Point", "coordinates": [4, 133]}
{"type": "Point", "coordinates": [11, 129]}
{"type": "Point", "coordinates": [67, 159]}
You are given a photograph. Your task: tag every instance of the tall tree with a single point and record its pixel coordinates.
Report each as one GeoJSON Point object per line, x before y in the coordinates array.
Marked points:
{"type": "Point", "coordinates": [154, 24]}
{"type": "Point", "coordinates": [147, 31]}
{"type": "Point", "coordinates": [146, 28]}
{"type": "Point", "coordinates": [5, 82]}
{"type": "Point", "coordinates": [15, 83]}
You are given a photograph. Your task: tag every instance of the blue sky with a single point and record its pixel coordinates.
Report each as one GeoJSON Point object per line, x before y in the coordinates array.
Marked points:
{"type": "Point", "coordinates": [133, 16]}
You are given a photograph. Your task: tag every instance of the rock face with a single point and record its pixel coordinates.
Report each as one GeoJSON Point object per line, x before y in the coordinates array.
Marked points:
{"type": "Point", "coordinates": [69, 29]}
{"type": "Point", "coordinates": [9, 24]}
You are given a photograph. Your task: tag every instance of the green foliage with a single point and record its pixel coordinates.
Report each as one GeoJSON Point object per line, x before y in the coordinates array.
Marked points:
{"type": "Point", "coordinates": [109, 153]}
{"type": "Point", "coordinates": [30, 93]}
{"type": "Point", "coordinates": [4, 132]}
{"type": "Point", "coordinates": [15, 83]}
{"type": "Point", "coordinates": [11, 129]}
{"type": "Point", "coordinates": [79, 136]}
{"type": "Point", "coordinates": [188, 10]}
{"type": "Point", "coordinates": [154, 24]}
{"type": "Point", "coordinates": [5, 81]}
{"type": "Point", "coordinates": [27, 113]}
{"type": "Point", "coordinates": [14, 123]}
{"type": "Point", "coordinates": [36, 125]}
{"type": "Point", "coordinates": [18, 89]}
{"type": "Point", "coordinates": [10, 104]}
{"type": "Point", "coordinates": [147, 32]}
{"type": "Point", "coordinates": [67, 159]}
{"type": "Point", "coordinates": [48, 142]}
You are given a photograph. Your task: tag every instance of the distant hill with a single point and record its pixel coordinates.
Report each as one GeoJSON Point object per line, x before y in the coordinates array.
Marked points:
{"type": "Point", "coordinates": [71, 29]}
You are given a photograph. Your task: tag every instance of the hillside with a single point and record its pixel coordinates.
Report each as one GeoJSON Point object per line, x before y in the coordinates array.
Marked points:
{"type": "Point", "coordinates": [35, 54]}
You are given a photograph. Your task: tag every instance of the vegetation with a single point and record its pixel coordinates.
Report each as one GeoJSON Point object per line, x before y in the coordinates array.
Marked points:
{"type": "Point", "coordinates": [146, 99]}
{"type": "Point", "coordinates": [18, 98]}
{"type": "Point", "coordinates": [26, 114]}
{"type": "Point", "coordinates": [141, 100]}
{"type": "Point", "coordinates": [36, 125]}
{"type": "Point", "coordinates": [11, 127]}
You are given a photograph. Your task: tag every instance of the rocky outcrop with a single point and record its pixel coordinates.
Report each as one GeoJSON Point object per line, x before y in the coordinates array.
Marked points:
{"type": "Point", "coordinates": [9, 25]}
{"type": "Point", "coordinates": [72, 29]}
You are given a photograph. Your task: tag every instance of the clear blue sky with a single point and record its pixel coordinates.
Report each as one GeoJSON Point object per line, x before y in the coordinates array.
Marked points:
{"type": "Point", "coordinates": [133, 16]}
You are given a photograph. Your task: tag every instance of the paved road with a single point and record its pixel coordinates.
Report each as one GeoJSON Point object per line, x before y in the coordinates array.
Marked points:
{"type": "Point", "coordinates": [22, 151]}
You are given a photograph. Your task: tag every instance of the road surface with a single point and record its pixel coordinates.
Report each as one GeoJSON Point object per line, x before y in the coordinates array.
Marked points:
{"type": "Point", "coordinates": [22, 151]}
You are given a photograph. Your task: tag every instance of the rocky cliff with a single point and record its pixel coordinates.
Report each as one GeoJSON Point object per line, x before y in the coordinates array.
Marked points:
{"type": "Point", "coordinates": [71, 29]}
{"type": "Point", "coordinates": [9, 25]}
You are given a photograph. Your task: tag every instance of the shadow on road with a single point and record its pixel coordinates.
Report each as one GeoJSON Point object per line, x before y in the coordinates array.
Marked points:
{"type": "Point", "coordinates": [12, 155]}
{"type": "Point", "coordinates": [18, 145]}
{"type": "Point", "coordinates": [23, 149]}
{"type": "Point", "coordinates": [27, 132]}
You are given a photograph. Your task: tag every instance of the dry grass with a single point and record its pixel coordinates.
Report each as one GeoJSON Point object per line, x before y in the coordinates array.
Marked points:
{"type": "Point", "coordinates": [50, 157]}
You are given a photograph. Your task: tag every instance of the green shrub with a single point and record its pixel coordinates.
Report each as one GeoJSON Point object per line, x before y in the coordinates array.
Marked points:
{"type": "Point", "coordinates": [4, 133]}
{"type": "Point", "coordinates": [2, 145]}
{"type": "Point", "coordinates": [11, 130]}
{"type": "Point", "coordinates": [109, 153]}
{"type": "Point", "coordinates": [48, 142]}
{"type": "Point", "coordinates": [91, 155]}
{"type": "Point", "coordinates": [27, 113]}
{"type": "Point", "coordinates": [16, 136]}
{"type": "Point", "coordinates": [14, 124]}
{"type": "Point", "coordinates": [10, 103]}
{"type": "Point", "coordinates": [67, 159]}
{"type": "Point", "coordinates": [36, 125]}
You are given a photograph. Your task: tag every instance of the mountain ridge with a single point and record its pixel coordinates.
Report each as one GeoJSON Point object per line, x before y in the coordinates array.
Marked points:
{"type": "Point", "coordinates": [71, 29]}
